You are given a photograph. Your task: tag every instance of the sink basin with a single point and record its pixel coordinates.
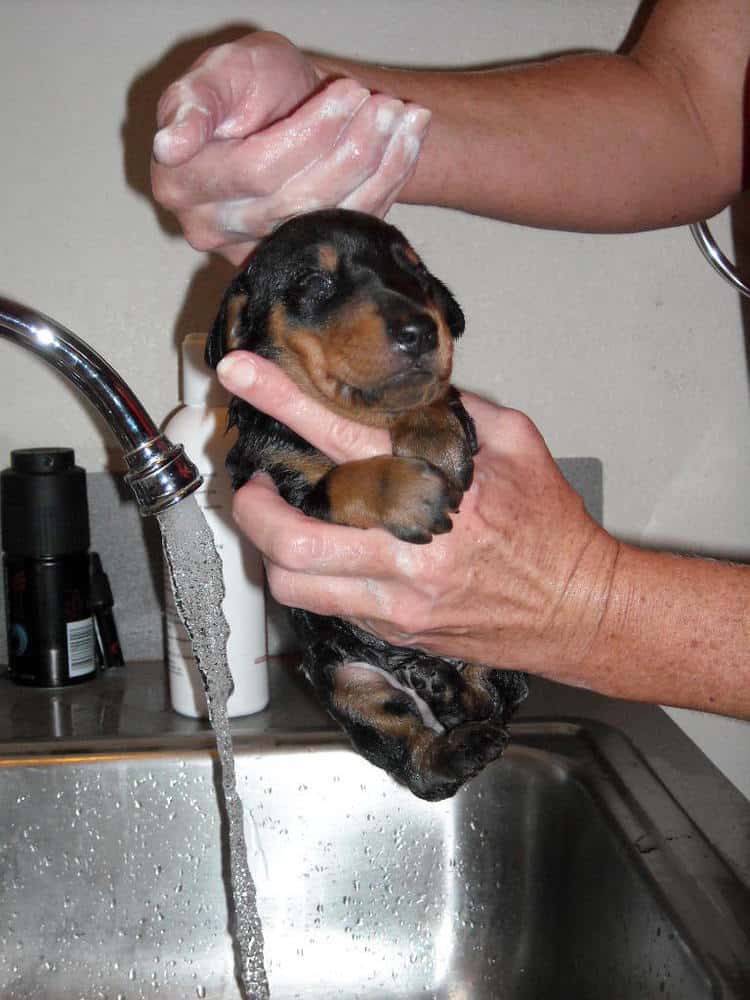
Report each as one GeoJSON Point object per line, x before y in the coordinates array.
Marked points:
{"type": "Point", "coordinates": [564, 871]}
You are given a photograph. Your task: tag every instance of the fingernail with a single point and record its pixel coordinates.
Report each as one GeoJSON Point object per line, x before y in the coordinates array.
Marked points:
{"type": "Point", "coordinates": [342, 99]}
{"type": "Point", "coordinates": [170, 143]}
{"type": "Point", "coordinates": [236, 373]}
{"type": "Point", "coordinates": [358, 97]}
{"type": "Point", "coordinates": [178, 132]}
{"type": "Point", "coordinates": [163, 146]}
{"type": "Point", "coordinates": [387, 115]}
{"type": "Point", "coordinates": [418, 118]}
{"type": "Point", "coordinates": [410, 134]}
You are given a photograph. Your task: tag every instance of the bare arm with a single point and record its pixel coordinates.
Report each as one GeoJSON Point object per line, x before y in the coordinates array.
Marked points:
{"type": "Point", "coordinates": [525, 580]}
{"type": "Point", "coordinates": [597, 142]}
{"type": "Point", "coordinates": [675, 631]}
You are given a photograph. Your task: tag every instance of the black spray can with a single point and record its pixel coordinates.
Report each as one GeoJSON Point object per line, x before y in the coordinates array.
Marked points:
{"type": "Point", "coordinates": [44, 519]}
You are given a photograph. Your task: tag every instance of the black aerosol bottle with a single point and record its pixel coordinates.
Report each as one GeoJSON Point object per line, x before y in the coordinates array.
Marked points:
{"type": "Point", "coordinates": [45, 539]}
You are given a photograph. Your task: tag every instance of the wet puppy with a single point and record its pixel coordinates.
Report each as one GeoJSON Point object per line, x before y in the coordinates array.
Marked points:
{"type": "Point", "coordinates": [345, 306]}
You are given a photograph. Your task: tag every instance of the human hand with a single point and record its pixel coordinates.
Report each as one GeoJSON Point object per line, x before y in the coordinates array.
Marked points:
{"type": "Point", "coordinates": [254, 133]}
{"type": "Point", "coordinates": [521, 581]}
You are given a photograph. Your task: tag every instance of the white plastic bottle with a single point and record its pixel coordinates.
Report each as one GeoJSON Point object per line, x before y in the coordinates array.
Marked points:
{"type": "Point", "coordinates": [200, 426]}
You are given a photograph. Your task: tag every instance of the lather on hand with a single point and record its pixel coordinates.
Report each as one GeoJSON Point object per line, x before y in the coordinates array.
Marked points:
{"type": "Point", "coordinates": [254, 134]}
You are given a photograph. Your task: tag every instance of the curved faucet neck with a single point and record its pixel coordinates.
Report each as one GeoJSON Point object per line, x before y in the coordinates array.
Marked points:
{"type": "Point", "coordinates": [159, 472]}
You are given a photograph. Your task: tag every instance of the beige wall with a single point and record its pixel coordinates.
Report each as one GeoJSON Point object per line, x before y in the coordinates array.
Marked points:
{"type": "Point", "coordinates": [625, 348]}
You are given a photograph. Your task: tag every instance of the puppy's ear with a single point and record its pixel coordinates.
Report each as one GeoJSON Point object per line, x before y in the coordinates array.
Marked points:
{"type": "Point", "coordinates": [227, 332]}
{"type": "Point", "coordinates": [454, 314]}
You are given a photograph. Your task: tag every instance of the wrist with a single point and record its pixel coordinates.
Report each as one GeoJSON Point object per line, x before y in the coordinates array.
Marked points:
{"type": "Point", "coordinates": [583, 611]}
{"type": "Point", "coordinates": [330, 68]}
{"type": "Point", "coordinates": [640, 650]}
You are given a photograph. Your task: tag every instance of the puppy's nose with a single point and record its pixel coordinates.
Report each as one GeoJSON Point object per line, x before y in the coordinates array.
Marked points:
{"type": "Point", "coordinates": [416, 335]}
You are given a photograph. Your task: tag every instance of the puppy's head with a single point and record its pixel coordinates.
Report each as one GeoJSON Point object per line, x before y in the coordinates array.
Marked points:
{"type": "Point", "coordinates": [344, 305]}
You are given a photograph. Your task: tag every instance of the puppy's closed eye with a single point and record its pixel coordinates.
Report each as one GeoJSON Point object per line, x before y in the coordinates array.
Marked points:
{"type": "Point", "coordinates": [310, 288]}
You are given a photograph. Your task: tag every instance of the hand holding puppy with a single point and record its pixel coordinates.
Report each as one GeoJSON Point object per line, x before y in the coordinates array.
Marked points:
{"type": "Point", "coordinates": [520, 582]}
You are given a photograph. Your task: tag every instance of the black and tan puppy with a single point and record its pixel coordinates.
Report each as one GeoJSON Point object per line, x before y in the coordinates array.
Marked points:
{"type": "Point", "coordinates": [344, 305]}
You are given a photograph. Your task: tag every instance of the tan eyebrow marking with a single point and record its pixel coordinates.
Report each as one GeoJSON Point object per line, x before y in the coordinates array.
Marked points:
{"type": "Point", "coordinates": [411, 254]}
{"type": "Point", "coordinates": [328, 257]}
{"type": "Point", "coordinates": [233, 329]}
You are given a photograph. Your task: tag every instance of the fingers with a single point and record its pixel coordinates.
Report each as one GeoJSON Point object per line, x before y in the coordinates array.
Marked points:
{"type": "Point", "coordinates": [265, 386]}
{"type": "Point", "coordinates": [503, 429]}
{"type": "Point", "coordinates": [190, 125]}
{"type": "Point", "coordinates": [300, 545]}
{"type": "Point", "coordinates": [268, 388]}
{"type": "Point", "coordinates": [376, 137]}
{"type": "Point", "coordinates": [230, 91]}
{"type": "Point", "coordinates": [261, 163]}
{"type": "Point", "coordinates": [344, 147]}
{"type": "Point", "coordinates": [192, 109]}
{"type": "Point", "coordinates": [337, 596]}
{"type": "Point", "coordinates": [324, 568]}
{"type": "Point", "coordinates": [381, 189]}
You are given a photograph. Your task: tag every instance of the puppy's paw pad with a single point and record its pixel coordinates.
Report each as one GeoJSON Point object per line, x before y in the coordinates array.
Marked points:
{"type": "Point", "coordinates": [440, 686]}
{"type": "Point", "coordinates": [474, 745]}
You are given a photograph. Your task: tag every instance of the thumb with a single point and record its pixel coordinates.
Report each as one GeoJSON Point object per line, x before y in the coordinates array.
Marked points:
{"type": "Point", "coordinates": [265, 386]}
{"type": "Point", "coordinates": [231, 91]}
{"type": "Point", "coordinates": [188, 125]}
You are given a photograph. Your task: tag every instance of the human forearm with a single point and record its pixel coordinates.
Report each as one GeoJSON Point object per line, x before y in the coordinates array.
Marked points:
{"type": "Point", "coordinates": [593, 142]}
{"type": "Point", "coordinates": [674, 630]}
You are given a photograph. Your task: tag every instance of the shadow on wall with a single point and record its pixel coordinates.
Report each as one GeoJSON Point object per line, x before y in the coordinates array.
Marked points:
{"type": "Point", "coordinates": [211, 278]}
{"type": "Point", "coordinates": [197, 313]}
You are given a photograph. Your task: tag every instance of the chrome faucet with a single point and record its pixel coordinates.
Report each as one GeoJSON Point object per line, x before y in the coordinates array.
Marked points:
{"type": "Point", "coordinates": [159, 473]}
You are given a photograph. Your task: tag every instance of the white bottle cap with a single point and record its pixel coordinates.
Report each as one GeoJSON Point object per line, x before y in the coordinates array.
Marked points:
{"type": "Point", "coordinates": [200, 387]}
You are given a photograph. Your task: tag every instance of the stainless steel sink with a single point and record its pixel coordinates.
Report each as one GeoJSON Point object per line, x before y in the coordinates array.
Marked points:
{"type": "Point", "coordinates": [564, 871]}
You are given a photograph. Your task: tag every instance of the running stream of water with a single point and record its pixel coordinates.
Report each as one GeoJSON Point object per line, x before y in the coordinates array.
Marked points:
{"type": "Point", "coordinates": [197, 579]}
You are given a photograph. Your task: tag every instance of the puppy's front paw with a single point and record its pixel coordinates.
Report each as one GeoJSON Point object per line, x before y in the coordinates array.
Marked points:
{"type": "Point", "coordinates": [475, 744]}
{"type": "Point", "coordinates": [463, 467]}
{"type": "Point", "coordinates": [418, 500]}
{"type": "Point", "coordinates": [407, 496]}
{"type": "Point", "coordinates": [436, 433]}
